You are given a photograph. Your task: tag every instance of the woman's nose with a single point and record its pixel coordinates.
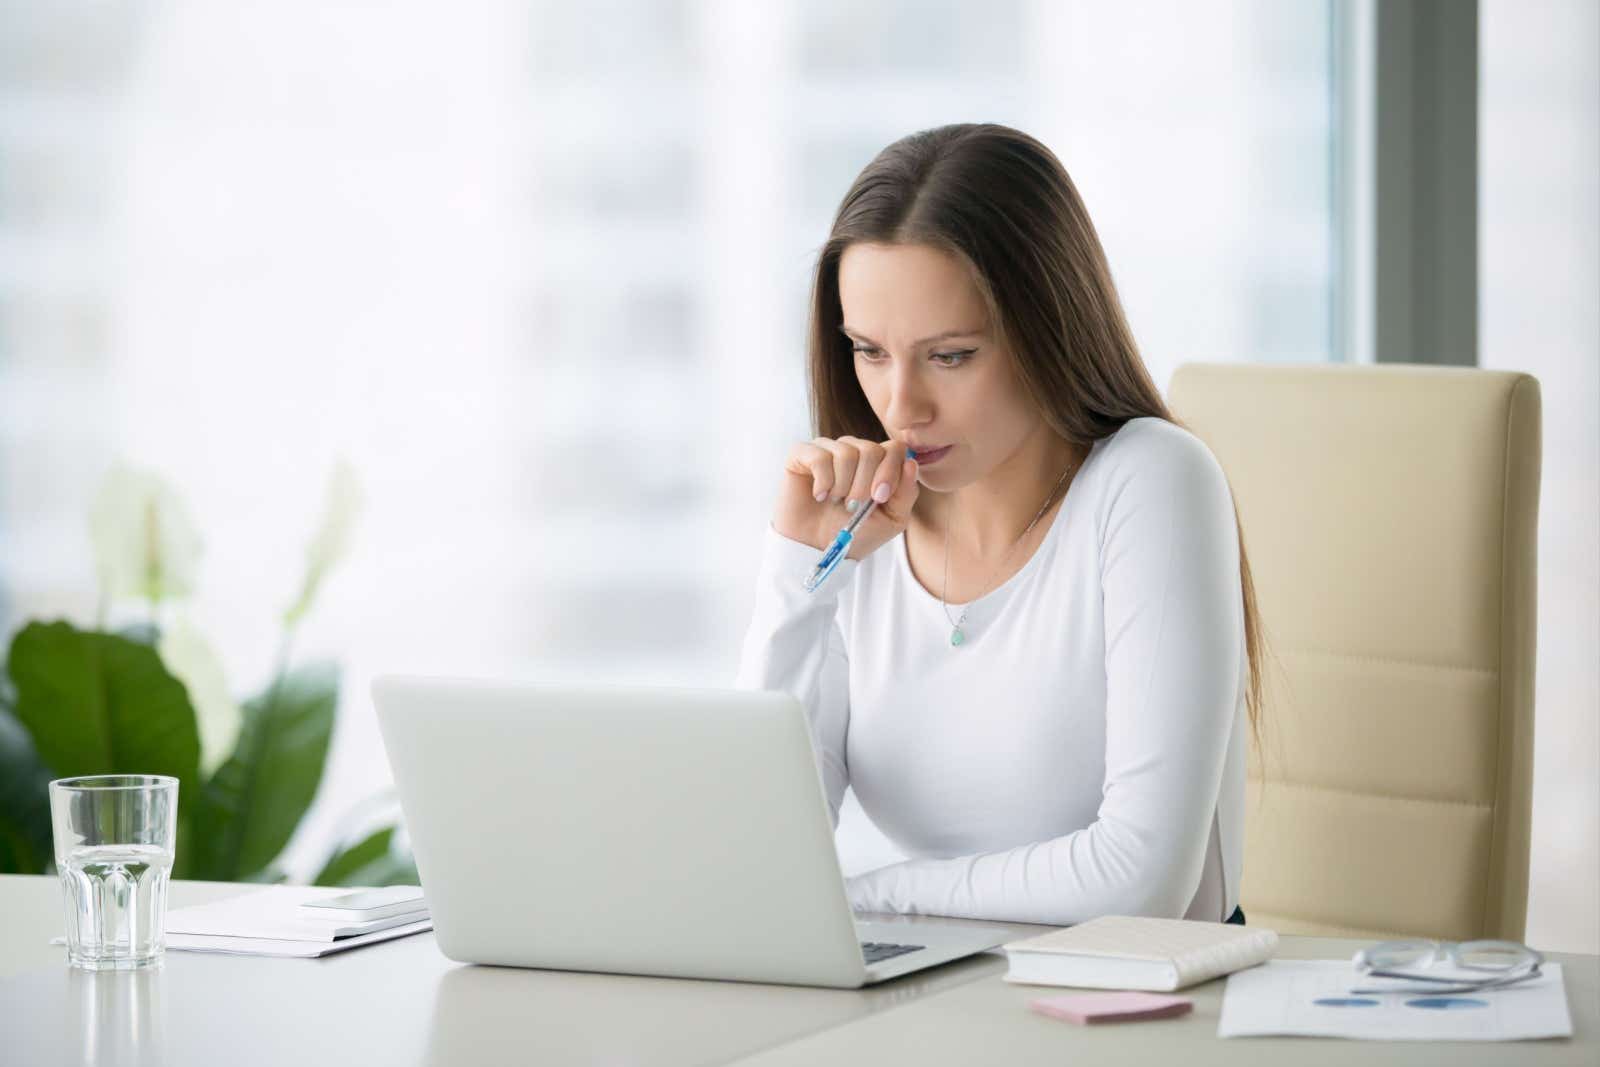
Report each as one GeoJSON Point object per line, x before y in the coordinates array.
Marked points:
{"type": "Point", "coordinates": [908, 398]}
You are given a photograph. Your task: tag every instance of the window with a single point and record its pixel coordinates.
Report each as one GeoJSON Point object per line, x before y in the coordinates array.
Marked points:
{"type": "Point", "coordinates": [539, 270]}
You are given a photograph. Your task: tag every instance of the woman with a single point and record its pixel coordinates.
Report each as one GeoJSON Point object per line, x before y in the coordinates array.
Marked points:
{"type": "Point", "coordinates": [1038, 661]}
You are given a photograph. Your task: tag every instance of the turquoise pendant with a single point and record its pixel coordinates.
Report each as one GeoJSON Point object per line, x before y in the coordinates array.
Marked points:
{"type": "Point", "coordinates": [956, 636]}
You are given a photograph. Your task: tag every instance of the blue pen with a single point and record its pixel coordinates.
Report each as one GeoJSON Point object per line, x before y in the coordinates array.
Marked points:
{"type": "Point", "coordinates": [830, 559]}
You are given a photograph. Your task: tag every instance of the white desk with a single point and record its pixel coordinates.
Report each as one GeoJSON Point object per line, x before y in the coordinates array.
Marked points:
{"type": "Point", "coordinates": [401, 1002]}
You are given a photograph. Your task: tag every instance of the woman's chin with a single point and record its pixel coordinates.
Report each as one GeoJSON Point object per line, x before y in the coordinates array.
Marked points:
{"type": "Point", "coordinates": [942, 480]}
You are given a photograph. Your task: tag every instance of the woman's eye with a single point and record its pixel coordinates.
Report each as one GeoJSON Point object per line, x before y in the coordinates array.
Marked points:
{"type": "Point", "coordinates": [943, 359]}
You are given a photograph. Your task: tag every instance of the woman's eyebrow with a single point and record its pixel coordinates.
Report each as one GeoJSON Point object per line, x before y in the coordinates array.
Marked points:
{"type": "Point", "coordinates": [853, 335]}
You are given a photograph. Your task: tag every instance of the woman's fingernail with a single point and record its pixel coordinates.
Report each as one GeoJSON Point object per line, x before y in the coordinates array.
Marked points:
{"type": "Point", "coordinates": [881, 493]}
{"type": "Point", "coordinates": [851, 505]}
{"type": "Point", "coordinates": [822, 494]}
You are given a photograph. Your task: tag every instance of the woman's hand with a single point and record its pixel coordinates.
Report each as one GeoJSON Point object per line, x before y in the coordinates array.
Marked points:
{"type": "Point", "coordinates": [822, 474]}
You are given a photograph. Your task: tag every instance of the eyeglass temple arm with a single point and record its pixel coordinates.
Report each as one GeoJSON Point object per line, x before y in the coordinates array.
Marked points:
{"type": "Point", "coordinates": [1459, 986]}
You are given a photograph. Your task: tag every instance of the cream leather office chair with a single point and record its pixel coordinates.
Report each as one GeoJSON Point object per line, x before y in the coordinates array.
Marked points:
{"type": "Point", "coordinates": [1389, 513]}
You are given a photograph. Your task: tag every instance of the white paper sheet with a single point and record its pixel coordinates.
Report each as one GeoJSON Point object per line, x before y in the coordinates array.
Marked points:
{"type": "Point", "coordinates": [274, 912]}
{"type": "Point", "coordinates": [270, 922]}
{"type": "Point", "coordinates": [1282, 997]}
{"type": "Point", "coordinates": [265, 946]}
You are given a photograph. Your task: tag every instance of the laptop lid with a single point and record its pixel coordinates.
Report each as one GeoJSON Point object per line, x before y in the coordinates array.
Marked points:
{"type": "Point", "coordinates": [624, 829]}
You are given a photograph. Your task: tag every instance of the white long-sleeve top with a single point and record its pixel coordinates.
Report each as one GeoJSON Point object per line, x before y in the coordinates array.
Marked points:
{"type": "Point", "coordinates": [1082, 753]}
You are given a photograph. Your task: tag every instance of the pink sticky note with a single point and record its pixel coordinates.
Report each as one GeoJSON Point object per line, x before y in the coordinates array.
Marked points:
{"type": "Point", "coordinates": [1088, 1008]}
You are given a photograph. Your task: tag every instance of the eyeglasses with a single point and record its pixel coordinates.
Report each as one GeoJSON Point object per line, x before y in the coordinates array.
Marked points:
{"type": "Point", "coordinates": [1489, 964]}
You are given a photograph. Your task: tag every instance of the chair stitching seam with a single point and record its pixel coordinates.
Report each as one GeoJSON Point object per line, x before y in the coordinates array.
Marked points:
{"type": "Point", "coordinates": [1424, 664]}
{"type": "Point", "coordinates": [1378, 796]}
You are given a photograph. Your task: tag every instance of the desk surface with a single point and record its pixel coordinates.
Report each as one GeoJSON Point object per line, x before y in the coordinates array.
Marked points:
{"type": "Point", "coordinates": [402, 1002]}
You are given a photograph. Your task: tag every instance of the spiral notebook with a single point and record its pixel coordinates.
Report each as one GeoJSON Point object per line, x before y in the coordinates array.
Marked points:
{"type": "Point", "coordinates": [1137, 952]}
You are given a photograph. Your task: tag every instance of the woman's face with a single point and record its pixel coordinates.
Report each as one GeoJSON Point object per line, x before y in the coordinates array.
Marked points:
{"type": "Point", "coordinates": [928, 361]}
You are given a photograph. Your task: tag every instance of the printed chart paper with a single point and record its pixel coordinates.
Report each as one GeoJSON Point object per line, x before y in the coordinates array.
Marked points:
{"type": "Point", "coordinates": [1313, 998]}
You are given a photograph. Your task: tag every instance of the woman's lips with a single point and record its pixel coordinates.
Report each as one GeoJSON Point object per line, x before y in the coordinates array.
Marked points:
{"type": "Point", "coordinates": [934, 456]}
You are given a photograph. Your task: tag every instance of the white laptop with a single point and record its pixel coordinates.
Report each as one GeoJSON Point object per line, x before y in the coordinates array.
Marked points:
{"type": "Point", "coordinates": [635, 830]}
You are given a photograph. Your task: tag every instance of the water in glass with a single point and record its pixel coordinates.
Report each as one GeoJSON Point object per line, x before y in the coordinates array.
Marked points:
{"type": "Point", "coordinates": [116, 903]}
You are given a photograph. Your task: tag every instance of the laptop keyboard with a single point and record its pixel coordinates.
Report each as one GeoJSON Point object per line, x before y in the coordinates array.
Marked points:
{"type": "Point", "coordinates": [877, 951]}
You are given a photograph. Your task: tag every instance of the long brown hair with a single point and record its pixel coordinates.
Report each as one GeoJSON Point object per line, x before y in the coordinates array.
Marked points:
{"type": "Point", "coordinates": [1000, 201]}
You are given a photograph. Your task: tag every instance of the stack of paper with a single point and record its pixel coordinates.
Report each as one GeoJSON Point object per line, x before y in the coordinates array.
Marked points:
{"type": "Point", "coordinates": [271, 922]}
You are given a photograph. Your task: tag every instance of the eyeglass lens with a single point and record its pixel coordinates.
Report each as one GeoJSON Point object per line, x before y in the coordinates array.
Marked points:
{"type": "Point", "coordinates": [1401, 955]}
{"type": "Point", "coordinates": [1491, 957]}
{"type": "Point", "coordinates": [1477, 955]}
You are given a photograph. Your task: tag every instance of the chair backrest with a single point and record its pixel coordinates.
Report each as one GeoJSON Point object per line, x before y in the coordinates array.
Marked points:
{"type": "Point", "coordinates": [1389, 514]}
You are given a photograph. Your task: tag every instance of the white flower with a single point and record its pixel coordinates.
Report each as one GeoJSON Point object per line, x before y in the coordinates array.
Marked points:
{"type": "Point", "coordinates": [190, 659]}
{"type": "Point", "coordinates": [332, 540]}
{"type": "Point", "coordinates": [145, 543]}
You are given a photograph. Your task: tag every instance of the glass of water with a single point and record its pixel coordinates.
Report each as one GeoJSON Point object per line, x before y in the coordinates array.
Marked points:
{"type": "Point", "coordinates": [114, 837]}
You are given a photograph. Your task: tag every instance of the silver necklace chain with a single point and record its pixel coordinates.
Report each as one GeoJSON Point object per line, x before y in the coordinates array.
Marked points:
{"type": "Point", "coordinates": [956, 635]}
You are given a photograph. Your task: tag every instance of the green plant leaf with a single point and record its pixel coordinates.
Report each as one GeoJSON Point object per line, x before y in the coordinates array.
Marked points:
{"type": "Point", "coordinates": [250, 807]}
{"type": "Point", "coordinates": [97, 703]}
{"type": "Point", "coordinates": [339, 866]}
{"type": "Point", "coordinates": [25, 844]}
{"type": "Point", "coordinates": [391, 868]}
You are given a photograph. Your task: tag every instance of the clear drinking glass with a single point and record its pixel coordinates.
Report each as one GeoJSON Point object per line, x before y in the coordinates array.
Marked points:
{"type": "Point", "coordinates": [114, 836]}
